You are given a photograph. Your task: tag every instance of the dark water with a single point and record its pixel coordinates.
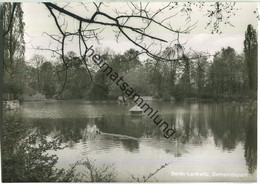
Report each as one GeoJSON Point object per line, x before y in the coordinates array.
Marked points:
{"type": "Point", "coordinates": [216, 138]}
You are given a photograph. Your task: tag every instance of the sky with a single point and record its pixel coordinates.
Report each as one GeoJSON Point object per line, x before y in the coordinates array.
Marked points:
{"type": "Point", "coordinates": [37, 20]}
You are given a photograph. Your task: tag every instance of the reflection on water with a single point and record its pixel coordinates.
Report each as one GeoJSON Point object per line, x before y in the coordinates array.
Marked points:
{"type": "Point", "coordinates": [211, 137]}
{"type": "Point", "coordinates": [251, 145]}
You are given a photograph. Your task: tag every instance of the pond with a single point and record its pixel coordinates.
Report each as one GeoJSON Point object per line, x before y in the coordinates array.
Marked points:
{"type": "Point", "coordinates": [214, 138]}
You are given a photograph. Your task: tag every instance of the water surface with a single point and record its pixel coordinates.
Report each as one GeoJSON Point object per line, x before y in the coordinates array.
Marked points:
{"type": "Point", "coordinates": [213, 137]}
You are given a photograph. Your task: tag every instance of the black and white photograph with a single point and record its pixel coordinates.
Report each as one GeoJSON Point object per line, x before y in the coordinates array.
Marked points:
{"type": "Point", "coordinates": [129, 91]}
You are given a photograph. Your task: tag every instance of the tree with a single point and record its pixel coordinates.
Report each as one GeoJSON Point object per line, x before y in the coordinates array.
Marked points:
{"type": "Point", "coordinates": [48, 81]}
{"type": "Point", "coordinates": [13, 35]}
{"type": "Point", "coordinates": [171, 53]}
{"type": "Point", "coordinates": [74, 80]}
{"type": "Point", "coordinates": [24, 156]}
{"type": "Point", "coordinates": [201, 65]}
{"type": "Point", "coordinates": [226, 73]}
{"type": "Point", "coordinates": [186, 76]}
{"type": "Point", "coordinates": [13, 28]}
{"type": "Point", "coordinates": [37, 61]}
{"type": "Point", "coordinates": [250, 50]}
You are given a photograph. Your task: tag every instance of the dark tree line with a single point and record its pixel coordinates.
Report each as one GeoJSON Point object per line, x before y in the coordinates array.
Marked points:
{"type": "Point", "coordinates": [225, 75]}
